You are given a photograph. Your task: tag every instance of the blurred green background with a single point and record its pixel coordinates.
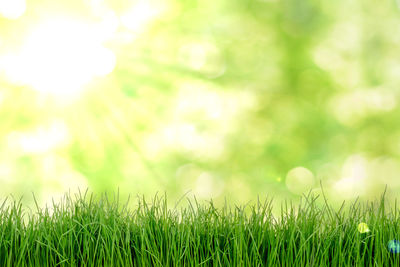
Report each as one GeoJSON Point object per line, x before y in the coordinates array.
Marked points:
{"type": "Point", "coordinates": [229, 99]}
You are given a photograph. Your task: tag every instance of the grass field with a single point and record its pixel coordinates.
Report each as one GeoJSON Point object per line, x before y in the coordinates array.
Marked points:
{"type": "Point", "coordinates": [86, 230]}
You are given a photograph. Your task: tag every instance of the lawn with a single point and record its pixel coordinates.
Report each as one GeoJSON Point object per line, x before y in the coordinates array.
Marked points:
{"type": "Point", "coordinates": [90, 230]}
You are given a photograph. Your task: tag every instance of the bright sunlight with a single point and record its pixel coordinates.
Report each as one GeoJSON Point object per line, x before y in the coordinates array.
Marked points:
{"type": "Point", "coordinates": [59, 57]}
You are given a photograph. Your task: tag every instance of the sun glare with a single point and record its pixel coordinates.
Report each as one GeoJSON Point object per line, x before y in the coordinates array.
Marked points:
{"type": "Point", "coordinates": [59, 57]}
{"type": "Point", "coordinates": [12, 9]}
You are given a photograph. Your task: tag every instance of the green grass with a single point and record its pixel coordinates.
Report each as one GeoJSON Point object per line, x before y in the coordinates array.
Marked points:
{"type": "Point", "coordinates": [90, 231]}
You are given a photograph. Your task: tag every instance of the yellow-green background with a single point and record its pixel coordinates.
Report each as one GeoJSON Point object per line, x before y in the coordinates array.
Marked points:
{"type": "Point", "coordinates": [226, 98]}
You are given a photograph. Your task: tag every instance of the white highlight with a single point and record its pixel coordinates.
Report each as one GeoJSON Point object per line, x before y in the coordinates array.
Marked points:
{"type": "Point", "coordinates": [354, 106]}
{"type": "Point", "coordinates": [299, 180]}
{"type": "Point", "coordinates": [12, 9]}
{"type": "Point", "coordinates": [354, 174]}
{"type": "Point", "coordinates": [60, 57]}
{"type": "Point", "coordinates": [139, 16]}
{"type": "Point", "coordinates": [42, 140]}
{"type": "Point", "coordinates": [207, 186]}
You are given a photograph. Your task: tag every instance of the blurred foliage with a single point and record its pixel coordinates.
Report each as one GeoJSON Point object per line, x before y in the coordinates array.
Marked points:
{"type": "Point", "coordinates": [221, 97]}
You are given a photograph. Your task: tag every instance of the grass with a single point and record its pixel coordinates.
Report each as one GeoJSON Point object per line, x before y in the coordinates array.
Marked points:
{"type": "Point", "coordinates": [90, 231]}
